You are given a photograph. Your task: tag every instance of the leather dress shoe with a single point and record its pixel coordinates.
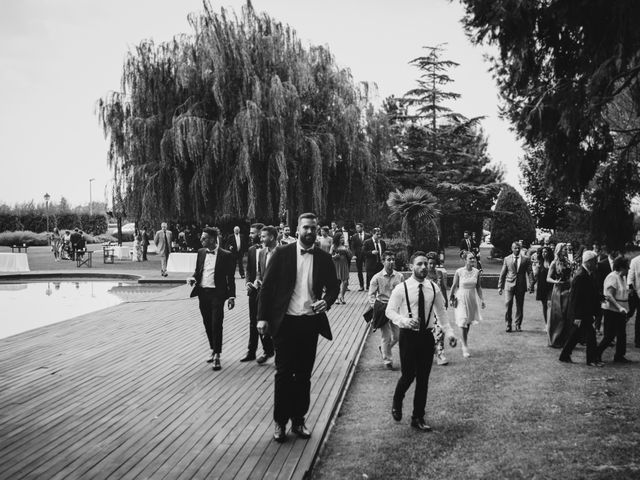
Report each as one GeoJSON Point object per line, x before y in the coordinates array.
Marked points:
{"type": "Point", "coordinates": [622, 360]}
{"type": "Point", "coordinates": [248, 358]}
{"type": "Point", "coordinates": [264, 357]}
{"type": "Point", "coordinates": [210, 358]}
{"type": "Point", "coordinates": [396, 413]}
{"type": "Point", "coordinates": [508, 330]}
{"type": "Point", "coordinates": [216, 364]}
{"type": "Point", "coordinates": [566, 359]}
{"type": "Point", "coordinates": [301, 431]}
{"type": "Point", "coordinates": [280, 433]}
{"type": "Point", "coordinates": [419, 424]}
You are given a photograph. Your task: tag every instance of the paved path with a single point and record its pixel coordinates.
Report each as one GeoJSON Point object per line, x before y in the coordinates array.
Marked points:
{"type": "Point", "coordinates": [125, 393]}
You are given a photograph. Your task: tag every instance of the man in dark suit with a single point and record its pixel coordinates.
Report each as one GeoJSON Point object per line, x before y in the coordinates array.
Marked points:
{"type": "Point", "coordinates": [357, 243]}
{"type": "Point", "coordinates": [253, 283]}
{"type": "Point", "coordinates": [237, 245]}
{"type": "Point", "coordinates": [372, 251]}
{"type": "Point", "coordinates": [145, 243]}
{"type": "Point", "coordinates": [584, 304]}
{"type": "Point", "coordinates": [466, 243]}
{"type": "Point", "coordinates": [603, 268]}
{"type": "Point", "coordinates": [213, 282]}
{"type": "Point", "coordinates": [299, 286]}
{"type": "Point", "coordinates": [516, 269]}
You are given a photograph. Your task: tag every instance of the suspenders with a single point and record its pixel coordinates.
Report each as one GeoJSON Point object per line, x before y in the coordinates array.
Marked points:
{"type": "Point", "coordinates": [406, 296]}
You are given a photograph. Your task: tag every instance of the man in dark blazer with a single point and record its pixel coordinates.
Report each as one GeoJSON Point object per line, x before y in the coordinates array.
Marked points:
{"type": "Point", "coordinates": [373, 248]}
{"type": "Point", "coordinates": [466, 244]}
{"type": "Point", "coordinates": [584, 304]}
{"type": "Point", "coordinates": [213, 283]}
{"type": "Point", "coordinates": [237, 245]}
{"type": "Point", "coordinates": [253, 283]}
{"type": "Point", "coordinates": [357, 243]}
{"type": "Point", "coordinates": [603, 268]}
{"type": "Point", "coordinates": [516, 269]}
{"type": "Point", "coordinates": [299, 286]}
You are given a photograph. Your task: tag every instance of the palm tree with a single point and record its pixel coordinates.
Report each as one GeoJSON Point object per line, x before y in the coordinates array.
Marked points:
{"type": "Point", "coordinates": [417, 207]}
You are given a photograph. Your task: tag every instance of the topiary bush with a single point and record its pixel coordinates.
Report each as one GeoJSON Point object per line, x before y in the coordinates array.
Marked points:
{"type": "Point", "coordinates": [512, 221]}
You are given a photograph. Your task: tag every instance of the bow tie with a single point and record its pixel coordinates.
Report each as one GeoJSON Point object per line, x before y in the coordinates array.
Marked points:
{"type": "Point", "coordinates": [309, 251]}
{"type": "Point", "coordinates": [212, 252]}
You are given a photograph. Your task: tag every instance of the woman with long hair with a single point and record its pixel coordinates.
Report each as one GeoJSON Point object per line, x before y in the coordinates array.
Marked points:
{"type": "Point", "coordinates": [543, 290]}
{"type": "Point", "coordinates": [56, 244]}
{"type": "Point", "coordinates": [559, 276]}
{"type": "Point", "coordinates": [341, 259]}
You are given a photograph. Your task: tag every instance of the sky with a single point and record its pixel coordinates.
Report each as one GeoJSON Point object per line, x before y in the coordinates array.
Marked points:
{"type": "Point", "coordinates": [57, 58]}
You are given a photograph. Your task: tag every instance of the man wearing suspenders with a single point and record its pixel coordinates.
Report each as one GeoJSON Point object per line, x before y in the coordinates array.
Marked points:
{"type": "Point", "coordinates": [412, 307]}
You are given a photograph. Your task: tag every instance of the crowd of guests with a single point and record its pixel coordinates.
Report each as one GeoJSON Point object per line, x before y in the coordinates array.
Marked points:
{"type": "Point", "coordinates": [584, 294]}
{"type": "Point", "coordinates": [67, 245]}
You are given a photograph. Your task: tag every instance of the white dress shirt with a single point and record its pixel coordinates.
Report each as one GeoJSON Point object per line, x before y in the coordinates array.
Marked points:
{"type": "Point", "coordinates": [238, 241]}
{"type": "Point", "coordinates": [397, 310]}
{"type": "Point", "coordinates": [633, 277]}
{"type": "Point", "coordinates": [302, 297]}
{"type": "Point", "coordinates": [209, 270]}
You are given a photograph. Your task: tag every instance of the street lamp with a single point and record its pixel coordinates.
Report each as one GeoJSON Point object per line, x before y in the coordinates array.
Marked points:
{"type": "Point", "coordinates": [90, 201]}
{"type": "Point", "coordinates": [47, 197]}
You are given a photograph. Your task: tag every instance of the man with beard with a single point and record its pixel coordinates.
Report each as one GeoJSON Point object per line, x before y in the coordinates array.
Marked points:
{"type": "Point", "coordinates": [253, 287]}
{"type": "Point", "coordinates": [299, 286]}
{"type": "Point", "coordinates": [357, 244]}
{"type": "Point", "coordinates": [411, 307]}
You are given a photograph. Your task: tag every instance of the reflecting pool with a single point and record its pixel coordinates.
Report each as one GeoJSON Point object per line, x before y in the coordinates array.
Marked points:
{"type": "Point", "coordinates": [25, 306]}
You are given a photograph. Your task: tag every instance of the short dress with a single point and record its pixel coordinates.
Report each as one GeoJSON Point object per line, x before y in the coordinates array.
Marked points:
{"type": "Point", "coordinates": [342, 262]}
{"type": "Point", "coordinates": [467, 311]}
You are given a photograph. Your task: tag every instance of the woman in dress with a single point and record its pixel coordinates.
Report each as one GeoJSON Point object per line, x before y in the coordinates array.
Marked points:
{"type": "Point", "coordinates": [543, 291]}
{"type": "Point", "coordinates": [137, 246]}
{"type": "Point", "coordinates": [56, 244]}
{"type": "Point", "coordinates": [438, 276]}
{"type": "Point", "coordinates": [614, 309]}
{"type": "Point", "coordinates": [341, 259]}
{"type": "Point", "coordinates": [324, 241]}
{"type": "Point", "coordinates": [559, 276]}
{"type": "Point", "coordinates": [465, 292]}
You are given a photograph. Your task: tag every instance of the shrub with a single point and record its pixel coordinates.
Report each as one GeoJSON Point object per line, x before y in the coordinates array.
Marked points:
{"type": "Point", "coordinates": [512, 221]}
{"type": "Point", "coordinates": [23, 237]}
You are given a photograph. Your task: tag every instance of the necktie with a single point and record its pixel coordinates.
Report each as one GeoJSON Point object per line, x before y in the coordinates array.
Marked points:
{"type": "Point", "coordinates": [421, 312]}
{"type": "Point", "coordinates": [166, 245]}
{"type": "Point", "coordinates": [309, 251]}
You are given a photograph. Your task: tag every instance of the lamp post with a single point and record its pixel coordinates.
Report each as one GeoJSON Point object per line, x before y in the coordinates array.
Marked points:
{"type": "Point", "coordinates": [47, 197]}
{"type": "Point", "coordinates": [90, 201]}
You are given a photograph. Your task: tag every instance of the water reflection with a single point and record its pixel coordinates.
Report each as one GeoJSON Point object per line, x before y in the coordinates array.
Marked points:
{"type": "Point", "coordinates": [26, 306]}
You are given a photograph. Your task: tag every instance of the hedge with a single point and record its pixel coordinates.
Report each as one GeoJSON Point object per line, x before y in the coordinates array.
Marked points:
{"type": "Point", "coordinates": [37, 222]}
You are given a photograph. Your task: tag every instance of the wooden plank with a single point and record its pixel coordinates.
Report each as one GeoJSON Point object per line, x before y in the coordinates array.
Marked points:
{"type": "Point", "coordinates": [124, 393]}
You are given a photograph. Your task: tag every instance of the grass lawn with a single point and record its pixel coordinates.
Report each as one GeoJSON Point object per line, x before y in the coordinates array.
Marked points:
{"type": "Point", "coordinates": [510, 411]}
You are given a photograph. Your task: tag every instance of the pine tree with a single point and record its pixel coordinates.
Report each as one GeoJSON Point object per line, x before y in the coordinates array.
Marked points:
{"type": "Point", "coordinates": [512, 221]}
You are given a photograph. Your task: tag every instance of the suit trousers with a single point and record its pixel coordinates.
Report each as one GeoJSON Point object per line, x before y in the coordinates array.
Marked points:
{"type": "Point", "coordinates": [615, 326]}
{"type": "Point", "coordinates": [634, 309]}
{"type": "Point", "coordinates": [359, 266]}
{"type": "Point", "coordinates": [239, 257]}
{"type": "Point", "coordinates": [295, 346]}
{"type": "Point", "coordinates": [267, 343]}
{"type": "Point", "coordinates": [163, 263]}
{"type": "Point", "coordinates": [516, 293]}
{"type": "Point", "coordinates": [584, 331]}
{"type": "Point", "coordinates": [212, 310]}
{"type": "Point", "coordinates": [416, 358]}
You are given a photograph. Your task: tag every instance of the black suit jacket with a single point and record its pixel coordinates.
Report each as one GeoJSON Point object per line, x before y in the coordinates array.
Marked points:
{"type": "Point", "coordinates": [464, 246]}
{"type": "Point", "coordinates": [223, 276]}
{"type": "Point", "coordinates": [603, 269]}
{"type": "Point", "coordinates": [280, 280]}
{"type": "Point", "coordinates": [357, 244]}
{"type": "Point", "coordinates": [584, 299]}
{"type": "Point", "coordinates": [233, 248]}
{"type": "Point", "coordinates": [252, 271]}
{"type": "Point", "coordinates": [372, 261]}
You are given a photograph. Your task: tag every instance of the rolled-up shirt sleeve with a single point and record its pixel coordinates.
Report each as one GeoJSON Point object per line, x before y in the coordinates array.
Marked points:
{"type": "Point", "coordinates": [393, 307]}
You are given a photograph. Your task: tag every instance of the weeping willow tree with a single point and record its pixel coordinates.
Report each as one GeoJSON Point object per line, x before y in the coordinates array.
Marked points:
{"type": "Point", "coordinates": [239, 119]}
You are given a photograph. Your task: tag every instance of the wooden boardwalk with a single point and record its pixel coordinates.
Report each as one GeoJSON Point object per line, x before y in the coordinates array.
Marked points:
{"type": "Point", "coordinates": [125, 393]}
